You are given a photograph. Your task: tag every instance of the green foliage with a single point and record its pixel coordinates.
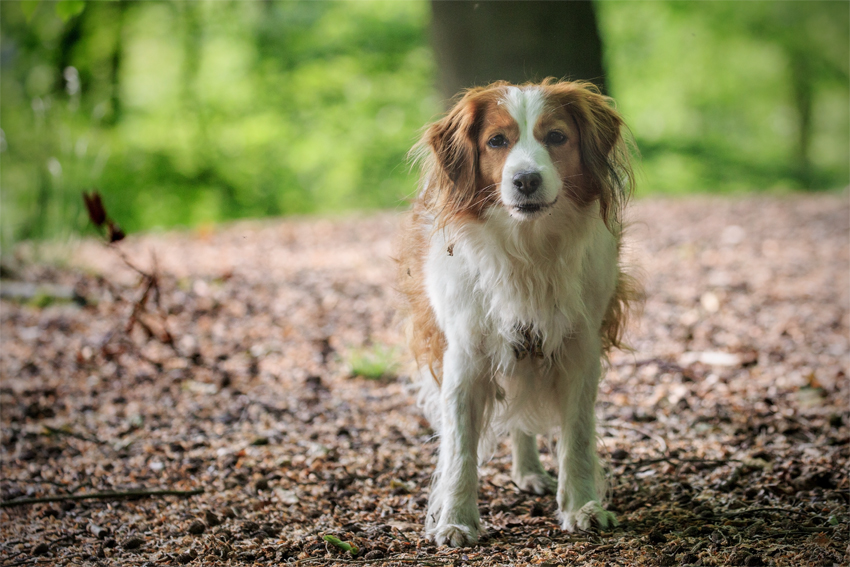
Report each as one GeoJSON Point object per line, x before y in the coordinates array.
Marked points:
{"type": "Point", "coordinates": [67, 9]}
{"type": "Point", "coordinates": [183, 113]}
{"type": "Point", "coordinates": [343, 545]}
{"type": "Point", "coordinates": [377, 363]}
{"type": "Point", "coordinates": [716, 98]}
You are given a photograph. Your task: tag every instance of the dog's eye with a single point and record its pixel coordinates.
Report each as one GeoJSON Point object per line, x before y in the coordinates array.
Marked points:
{"type": "Point", "coordinates": [555, 138]}
{"type": "Point", "coordinates": [497, 141]}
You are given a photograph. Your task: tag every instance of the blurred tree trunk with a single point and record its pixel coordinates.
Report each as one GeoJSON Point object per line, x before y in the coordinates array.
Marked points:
{"type": "Point", "coordinates": [115, 62]}
{"type": "Point", "coordinates": [71, 36]}
{"type": "Point", "coordinates": [518, 41]}
{"type": "Point", "coordinates": [801, 78]}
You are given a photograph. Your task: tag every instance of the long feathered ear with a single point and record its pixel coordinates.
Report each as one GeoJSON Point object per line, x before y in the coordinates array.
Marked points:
{"type": "Point", "coordinates": [604, 152]}
{"type": "Point", "coordinates": [452, 141]}
{"type": "Point", "coordinates": [449, 153]}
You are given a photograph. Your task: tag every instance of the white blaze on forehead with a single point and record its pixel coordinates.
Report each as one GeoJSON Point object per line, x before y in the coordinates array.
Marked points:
{"type": "Point", "coordinates": [525, 105]}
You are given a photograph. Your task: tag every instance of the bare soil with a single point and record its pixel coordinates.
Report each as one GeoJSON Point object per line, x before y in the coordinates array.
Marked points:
{"type": "Point", "coordinates": [261, 362]}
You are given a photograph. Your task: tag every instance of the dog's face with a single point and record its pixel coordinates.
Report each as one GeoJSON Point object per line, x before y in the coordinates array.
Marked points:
{"type": "Point", "coordinates": [527, 148]}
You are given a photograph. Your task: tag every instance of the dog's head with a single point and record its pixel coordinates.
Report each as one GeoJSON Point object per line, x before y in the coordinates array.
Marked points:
{"type": "Point", "coordinates": [526, 148]}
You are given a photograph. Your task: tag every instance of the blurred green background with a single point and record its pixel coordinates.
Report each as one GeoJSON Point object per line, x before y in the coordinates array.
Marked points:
{"type": "Point", "coordinates": [185, 113]}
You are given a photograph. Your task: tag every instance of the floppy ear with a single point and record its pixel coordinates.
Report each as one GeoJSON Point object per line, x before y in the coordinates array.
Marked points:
{"type": "Point", "coordinates": [453, 147]}
{"type": "Point", "coordinates": [604, 154]}
{"type": "Point", "coordinates": [451, 139]}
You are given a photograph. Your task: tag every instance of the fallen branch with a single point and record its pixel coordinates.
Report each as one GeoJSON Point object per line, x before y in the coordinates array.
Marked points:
{"type": "Point", "coordinates": [66, 432]}
{"type": "Point", "coordinates": [675, 461]}
{"type": "Point", "coordinates": [413, 560]}
{"type": "Point", "coordinates": [101, 496]}
{"type": "Point", "coordinates": [49, 545]}
{"type": "Point", "coordinates": [757, 510]}
{"type": "Point", "coordinates": [657, 438]}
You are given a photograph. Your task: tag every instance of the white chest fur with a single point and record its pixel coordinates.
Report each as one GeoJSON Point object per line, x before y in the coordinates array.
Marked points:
{"type": "Point", "coordinates": [488, 281]}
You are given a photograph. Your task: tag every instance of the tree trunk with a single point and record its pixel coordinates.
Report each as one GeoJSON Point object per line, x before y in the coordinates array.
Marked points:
{"type": "Point", "coordinates": [801, 78]}
{"type": "Point", "coordinates": [518, 41]}
{"type": "Point", "coordinates": [115, 62]}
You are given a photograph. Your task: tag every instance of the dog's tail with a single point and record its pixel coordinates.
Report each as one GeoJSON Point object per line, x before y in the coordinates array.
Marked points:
{"type": "Point", "coordinates": [627, 299]}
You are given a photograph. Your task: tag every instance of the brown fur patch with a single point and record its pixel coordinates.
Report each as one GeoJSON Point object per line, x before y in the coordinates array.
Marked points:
{"type": "Point", "coordinates": [604, 151]}
{"type": "Point", "coordinates": [424, 336]}
{"type": "Point", "coordinates": [627, 296]}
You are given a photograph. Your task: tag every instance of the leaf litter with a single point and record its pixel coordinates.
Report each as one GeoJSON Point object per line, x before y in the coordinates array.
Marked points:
{"type": "Point", "coordinates": [230, 360]}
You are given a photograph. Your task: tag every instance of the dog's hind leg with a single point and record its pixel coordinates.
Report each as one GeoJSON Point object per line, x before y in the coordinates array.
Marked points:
{"type": "Point", "coordinates": [527, 472]}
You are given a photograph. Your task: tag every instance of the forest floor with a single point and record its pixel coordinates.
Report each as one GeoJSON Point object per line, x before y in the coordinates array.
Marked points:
{"type": "Point", "coordinates": [261, 363]}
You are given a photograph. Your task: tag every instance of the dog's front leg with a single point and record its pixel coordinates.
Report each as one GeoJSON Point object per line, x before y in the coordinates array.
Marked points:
{"type": "Point", "coordinates": [579, 475]}
{"type": "Point", "coordinates": [453, 506]}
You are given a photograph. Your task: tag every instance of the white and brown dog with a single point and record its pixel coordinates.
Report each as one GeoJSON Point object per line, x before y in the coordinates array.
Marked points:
{"type": "Point", "coordinates": [510, 267]}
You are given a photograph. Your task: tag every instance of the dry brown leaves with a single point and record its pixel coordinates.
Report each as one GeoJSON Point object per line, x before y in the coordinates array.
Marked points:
{"type": "Point", "coordinates": [726, 429]}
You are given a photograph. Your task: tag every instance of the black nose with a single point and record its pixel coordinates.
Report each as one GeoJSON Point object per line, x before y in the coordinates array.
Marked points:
{"type": "Point", "coordinates": [527, 182]}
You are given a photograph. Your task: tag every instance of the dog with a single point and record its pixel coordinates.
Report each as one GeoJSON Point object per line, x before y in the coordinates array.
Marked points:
{"type": "Point", "coordinates": [514, 291]}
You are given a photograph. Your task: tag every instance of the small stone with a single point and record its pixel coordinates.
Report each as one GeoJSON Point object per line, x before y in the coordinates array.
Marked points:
{"type": "Point", "coordinates": [250, 527]}
{"type": "Point", "coordinates": [196, 528]}
{"type": "Point", "coordinates": [211, 519]}
{"type": "Point", "coordinates": [99, 532]}
{"type": "Point", "coordinates": [134, 542]}
{"type": "Point", "coordinates": [315, 383]}
{"type": "Point", "coordinates": [656, 536]}
{"type": "Point", "coordinates": [619, 455]}
{"type": "Point", "coordinates": [704, 511]}
{"type": "Point", "coordinates": [40, 549]}
{"type": "Point", "coordinates": [374, 554]}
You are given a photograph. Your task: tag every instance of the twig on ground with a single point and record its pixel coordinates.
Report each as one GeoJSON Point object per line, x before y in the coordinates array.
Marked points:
{"type": "Point", "coordinates": [664, 365]}
{"type": "Point", "coordinates": [101, 496]}
{"type": "Point", "coordinates": [30, 560]}
{"type": "Point", "coordinates": [411, 560]}
{"type": "Point", "coordinates": [68, 433]}
{"type": "Point", "coordinates": [677, 461]}
{"type": "Point", "coordinates": [50, 544]}
{"type": "Point", "coordinates": [658, 439]}
{"type": "Point", "coordinates": [757, 510]}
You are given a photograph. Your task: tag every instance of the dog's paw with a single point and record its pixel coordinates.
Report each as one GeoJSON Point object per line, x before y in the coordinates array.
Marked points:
{"type": "Point", "coordinates": [537, 482]}
{"type": "Point", "coordinates": [590, 514]}
{"type": "Point", "coordinates": [455, 535]}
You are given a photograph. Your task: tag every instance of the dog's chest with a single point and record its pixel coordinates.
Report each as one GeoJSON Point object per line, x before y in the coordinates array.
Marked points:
{"type": "Point", "coordinates": [530, 302]}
